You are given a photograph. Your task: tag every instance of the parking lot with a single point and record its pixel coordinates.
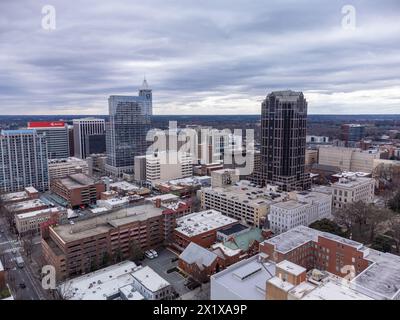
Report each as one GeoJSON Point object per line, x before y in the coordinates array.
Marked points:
{"type": "Point", "coordinates": [163, 265]}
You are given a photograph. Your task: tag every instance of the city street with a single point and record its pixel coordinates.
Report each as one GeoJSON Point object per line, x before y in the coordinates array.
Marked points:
{"type": "Point", "coordinates": [24, 283]}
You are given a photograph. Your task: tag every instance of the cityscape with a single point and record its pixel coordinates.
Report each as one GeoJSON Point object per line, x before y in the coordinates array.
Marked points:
{"type": "Point", "coordinates": [133, 197]}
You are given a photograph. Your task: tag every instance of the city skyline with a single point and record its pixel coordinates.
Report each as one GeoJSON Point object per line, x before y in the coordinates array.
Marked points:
{"type": "Point", "coordinates": [209, 59]}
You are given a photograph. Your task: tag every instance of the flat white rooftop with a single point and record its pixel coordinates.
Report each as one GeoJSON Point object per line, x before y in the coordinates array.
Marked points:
{"type": "Point", "coordinates": [203, 221]}
{"type": "Point", "coordinates": [291, 267]}
{"type": "Point", "coordinates": [334, 290]}
{"type": "Point", "coordinates": [300, 235]}
{"type": "Point", "coordinates": [150, 279]}
{"type": "Point", "coordinates": [245, 279]}
{"type": "Point", "coordinates": [99, 285]}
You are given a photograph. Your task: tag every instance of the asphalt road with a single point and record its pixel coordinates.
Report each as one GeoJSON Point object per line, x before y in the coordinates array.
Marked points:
{"type": "Point", "coordinates": [17, 276]}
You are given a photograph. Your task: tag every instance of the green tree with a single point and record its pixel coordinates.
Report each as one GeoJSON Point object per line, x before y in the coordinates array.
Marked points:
{"type": "Point", "coordinates": [382, 243]}
{"type": "Point", "coordinates": [135, 251]}
{"type": "Point", "coordinates": [394, 203]}
{"type": "Point", "coordinates": [327, 225]}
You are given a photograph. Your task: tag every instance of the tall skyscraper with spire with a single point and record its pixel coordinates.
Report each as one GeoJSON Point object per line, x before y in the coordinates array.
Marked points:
{"type": "Point", "coordinates": [283, 140]}
{"type": "Point", "coordinates": [130, 120]}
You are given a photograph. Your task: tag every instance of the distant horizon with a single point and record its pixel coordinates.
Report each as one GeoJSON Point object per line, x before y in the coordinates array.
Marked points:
{"type": "Point", "coordinates": [202, 115]}
{"type": "Point", "coordinates": [214, 57]}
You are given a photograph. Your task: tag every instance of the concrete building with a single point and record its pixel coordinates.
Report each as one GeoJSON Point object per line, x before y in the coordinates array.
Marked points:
{"type": "Point", "coordinates": [78, 248]}
{"type": "Point", "coordinates": [56, 133]}
{"type": "Point", "coordinates": [78, 189]}
{"type": "Point", "coordinates": [242, 201]}
{"type": "Point", "coordinates": [283, 140]}
{"type": "Point", "coordinates": [352, 188]}
{"type": "Point", "coordinates": [200, 228]}
{"type": "Point", "coordinates": [302, 209]}
{"type": "Point", "coordinates": [348, 159]}
{"type": "Point", "coordinates": [23, 160]}
{"type": "Point", "coordinates": [82, 129]}
{"type": "Point", "coordinates": [130, 119]}
{"type": "Point", "coordinates": [163, 166]}
{"type": "Point", "coordinates": [61, 168]}
{"type": "Point", "coordinates": [224, 177]}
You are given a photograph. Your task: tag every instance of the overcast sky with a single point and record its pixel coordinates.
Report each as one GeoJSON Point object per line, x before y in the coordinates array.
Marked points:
{"type": "Point", "coordinates": [199, 57]}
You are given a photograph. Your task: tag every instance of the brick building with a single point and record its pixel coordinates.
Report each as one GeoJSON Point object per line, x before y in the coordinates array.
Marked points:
{"type": "Point", "coordinates": [78, 189]}
{"type": "Point", "coordinates": [311, 248]}
{"type": "Point", "coordinates": [92, 243]}
{"type": "Point", "coordinates": [200, 228]}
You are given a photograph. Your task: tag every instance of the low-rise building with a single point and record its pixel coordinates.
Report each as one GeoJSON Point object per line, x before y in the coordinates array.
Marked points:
{"type": "Point", "coordinates": [200, 228]}
{"type": "Point", "coordinates": [110, 283]}
{"type": "Point", "coordinates": [29, 193]}
{"type": "Point", "coordinates": [353, 188]}
{"type": "Point", "coordinates": [302, 209]}
{"type": "Point", "coordinates": [150, 284]}
{"type": "Point", "coordinates": [26, 206]}
{"type": "Point", "coordinates": [242, 200]}
{"type": "Point", "coordinates": [198, 262]}
{"type": "Point", "coordinates": [30, 222]}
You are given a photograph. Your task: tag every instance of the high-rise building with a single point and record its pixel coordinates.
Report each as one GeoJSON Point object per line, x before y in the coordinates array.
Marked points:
{"type": "Point", "coordinates": [283, 140]}
{"type": "Point", "coordinates": [130, 119]}
{"type": "Point", "coordinates": [23, 160]}
{"type": "Point", "coordinates": [352, 133]}
{"type": "Point", "coordinates": [83, 128]}
{"type": "Point", "coordinates": [56, 133]}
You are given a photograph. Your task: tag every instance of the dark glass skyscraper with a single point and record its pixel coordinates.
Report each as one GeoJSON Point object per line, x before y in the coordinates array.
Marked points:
{"type": "Point", "coordinates": [283, 140]}
{"type": "Point", "coordinates": [130, 120]}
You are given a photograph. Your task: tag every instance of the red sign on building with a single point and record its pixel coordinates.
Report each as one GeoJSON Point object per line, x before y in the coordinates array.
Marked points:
{"type": "Point", "coordinates": [46, 124]}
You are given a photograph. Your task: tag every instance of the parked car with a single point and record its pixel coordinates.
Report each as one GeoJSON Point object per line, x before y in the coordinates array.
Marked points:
{"type": "Point", "coordinates": [22, 285]}
{"type": "Point", "coordinates": [154, 252]}
{"type": "Point", "coordinates": [149, 254]}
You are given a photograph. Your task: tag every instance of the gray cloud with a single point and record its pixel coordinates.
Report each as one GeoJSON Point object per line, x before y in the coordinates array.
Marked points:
{"type": "Point", "coordinates": [199, 56]}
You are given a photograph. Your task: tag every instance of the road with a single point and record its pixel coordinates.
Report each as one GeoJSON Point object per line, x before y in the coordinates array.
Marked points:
{"type": "Point", "coordinates": [10, 248]}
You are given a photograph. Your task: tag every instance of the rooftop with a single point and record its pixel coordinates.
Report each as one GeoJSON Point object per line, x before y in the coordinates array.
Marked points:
{"type": "Point", "coordinates": [300, 235]}
{"type": "Point", "coordinates": [14, 196]}
{"type": "Point", "coordinates": [334, 289]}
{"type": "Point", "coordinates": [233, 229]}
{"type": "Point", "coordinates": [37, 212]}
{"type": "Point", "coordinates": [25, 205]}
{"type": "Point", "coordinates": [245, 193]}
{"type": "Point", "coordinates": [194, 253]}
{"type": "Point", "coordinates": [247, 278]}
{"type": "Point", "coordinates": [124, 186]}
{"type": "Point", "coordinates": [100, 284]}
{"type": "Point", "coordinates": [289, 205]}
{"type": "Point", "coordinates": [77, 180]}
{"type": "Point", "coordinates": [150, 279]}
{"type": "Point", "coordinates": [291, 267]}
{"type": "Point", "coordinates": [243, 240]}
{"type": "Point", "coordinates": [203, 221]}
{"type": "Point", "coordinates": [105, 222]}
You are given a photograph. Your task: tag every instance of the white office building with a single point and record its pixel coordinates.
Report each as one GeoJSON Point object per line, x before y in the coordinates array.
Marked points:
{"type": "Point", "coordinates": [23, 160]}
